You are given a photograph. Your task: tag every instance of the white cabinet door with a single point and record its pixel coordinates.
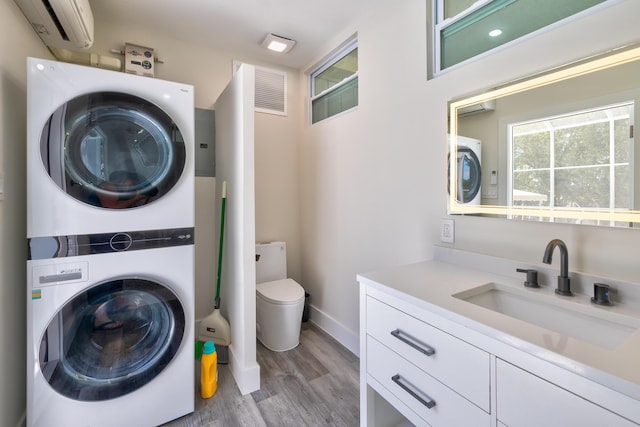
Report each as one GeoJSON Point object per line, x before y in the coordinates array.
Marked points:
{"type": "Point", "coordinates": [524, 400]}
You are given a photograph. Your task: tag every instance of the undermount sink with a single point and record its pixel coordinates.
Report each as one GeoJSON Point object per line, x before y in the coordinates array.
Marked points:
{"type": "Point", "coordinates": [582, 321]}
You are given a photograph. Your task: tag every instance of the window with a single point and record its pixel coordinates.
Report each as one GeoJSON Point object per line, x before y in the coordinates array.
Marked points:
{"type": "Point", "coordinates": [334, 85]}
{"type": "Point", "coordinates": [581, 159]}
{"type": "Point", "coordinates": [464, 29]}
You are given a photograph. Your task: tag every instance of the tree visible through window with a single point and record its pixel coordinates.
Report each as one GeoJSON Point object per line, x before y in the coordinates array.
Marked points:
{"type": "Point", "coordinates": [577, 160]}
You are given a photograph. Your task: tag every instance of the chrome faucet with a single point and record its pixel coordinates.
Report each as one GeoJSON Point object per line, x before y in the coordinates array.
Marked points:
{"type": "Point", "coordinates": [564, 284]}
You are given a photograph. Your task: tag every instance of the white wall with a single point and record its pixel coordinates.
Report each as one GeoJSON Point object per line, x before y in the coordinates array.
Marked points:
{"type": "Point", "coordinates": [17, 42]}
{"type": "Point", "coordinates": [374, 180]}
{"type": "Point", "coordinates": [599, 251]}
{"type": "Point", "coordinates": [370, 177]}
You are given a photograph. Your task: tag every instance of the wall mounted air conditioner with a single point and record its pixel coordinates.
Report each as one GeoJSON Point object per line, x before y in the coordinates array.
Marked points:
{"type": "Point", "coordinates": [477, 108]}
{"type": "Point", "coordinates": [64, 24]}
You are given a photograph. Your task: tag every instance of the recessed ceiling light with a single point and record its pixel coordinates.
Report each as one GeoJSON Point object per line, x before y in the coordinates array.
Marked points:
{"type": "Point", "coordinates": [495, 33]}
{"type": "Point", "coordinates": [278, 43]}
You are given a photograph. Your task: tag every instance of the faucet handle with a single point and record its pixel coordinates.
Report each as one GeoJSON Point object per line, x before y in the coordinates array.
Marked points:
{"type": "Point", "coordinates": [532, 277]}
{"type": "Point", "coordinates": [601, 293]}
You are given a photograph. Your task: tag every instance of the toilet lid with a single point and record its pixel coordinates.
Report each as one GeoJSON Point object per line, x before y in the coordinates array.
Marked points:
{"type": "Point", "coordinates": [281, 291]}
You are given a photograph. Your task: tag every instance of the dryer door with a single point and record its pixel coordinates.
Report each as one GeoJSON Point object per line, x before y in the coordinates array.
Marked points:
{"type": "Point", "coordinates": [112, 339]}
{"type": "Point", "coordinates": [112, 150]}
{"type": "Point", "coordinates": [468, 175]}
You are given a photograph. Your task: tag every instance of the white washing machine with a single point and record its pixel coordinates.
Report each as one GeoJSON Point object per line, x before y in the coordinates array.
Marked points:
{"type": "Point", "coordinates": [469, 170]}
{"type": "Point", "coordinates": [110, 338]}
{"type": "Point", "coordinates": [107, 151]}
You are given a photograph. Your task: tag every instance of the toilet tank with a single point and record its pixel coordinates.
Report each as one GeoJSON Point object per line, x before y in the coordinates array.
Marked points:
{"type": "Point", "coordinates": [271, 261]}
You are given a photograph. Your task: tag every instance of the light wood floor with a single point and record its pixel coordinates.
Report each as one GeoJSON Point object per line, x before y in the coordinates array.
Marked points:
{"type": "Point", "coordinates": [315, 384]}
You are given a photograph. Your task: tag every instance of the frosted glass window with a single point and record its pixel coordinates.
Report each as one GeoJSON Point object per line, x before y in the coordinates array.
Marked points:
{"type": "Point", "coordinates": [334, 85]}
{"type": "Point", "coordinates": [487, 24]}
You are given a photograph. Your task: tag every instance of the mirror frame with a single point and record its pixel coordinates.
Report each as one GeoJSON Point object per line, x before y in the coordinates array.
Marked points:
{"type": "Point", "coordinates": [600, 62]}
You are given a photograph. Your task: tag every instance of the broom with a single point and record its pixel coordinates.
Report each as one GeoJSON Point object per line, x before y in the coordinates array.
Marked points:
{"type": "Point", "coordinates": [214, 327]}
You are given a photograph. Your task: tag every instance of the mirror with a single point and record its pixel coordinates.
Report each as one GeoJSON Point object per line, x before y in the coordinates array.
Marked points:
{"type": "Point", "coordinates": [557, 147]}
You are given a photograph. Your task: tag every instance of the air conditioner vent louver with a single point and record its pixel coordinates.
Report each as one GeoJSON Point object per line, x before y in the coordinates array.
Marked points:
{"type": "Point", "coordinates": [62, 24]}
{"type": "Point", "coordinates": [477, 108]}
{"type": "Point", "coordinates": [55, 20]}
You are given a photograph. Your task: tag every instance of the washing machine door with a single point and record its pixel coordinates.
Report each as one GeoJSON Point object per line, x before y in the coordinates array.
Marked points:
{"type": "Point", "coordinates": [112, 150]}
{"type": "Point", "coordinates": [112, 339]}
{"type": "Point", "coordinates": [468, 175]}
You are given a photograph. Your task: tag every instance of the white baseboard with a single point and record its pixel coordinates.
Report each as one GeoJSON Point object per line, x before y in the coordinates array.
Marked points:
{"type": "Point", "coordinates": [247, 378]}
{"type": "Point", "coordinates": [342, 334]}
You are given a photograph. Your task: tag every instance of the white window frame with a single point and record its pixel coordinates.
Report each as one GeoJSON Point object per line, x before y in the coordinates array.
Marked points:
{"type": "Point", "coordinates": [440, 23]}
{"type": "Point", "coordinates": [552, 167]}
{"type": "Point", "coordinates": [329, 62]}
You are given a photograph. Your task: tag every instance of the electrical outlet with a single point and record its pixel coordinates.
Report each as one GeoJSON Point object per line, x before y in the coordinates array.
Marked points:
{"type": "Point", "coordinates": [447, 230]}
{"type": "Point", "coordinates": [491, 192]}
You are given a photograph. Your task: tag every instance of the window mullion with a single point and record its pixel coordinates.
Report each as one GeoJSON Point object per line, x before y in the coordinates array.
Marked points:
{"type": "Point", "coordinates": [335, 86]}
{"type": "Point", "coordinates": [552, 169]}
{"type": "Point", "coordinates": [612, 163]}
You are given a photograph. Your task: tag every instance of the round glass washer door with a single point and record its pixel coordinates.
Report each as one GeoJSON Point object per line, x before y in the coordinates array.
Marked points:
{"type": "Point", "coordinates": [111, 339]}
{"type": "Point", "coordinates": [112, 150]}
{"type": "Point", "coordinates": [468, 175]}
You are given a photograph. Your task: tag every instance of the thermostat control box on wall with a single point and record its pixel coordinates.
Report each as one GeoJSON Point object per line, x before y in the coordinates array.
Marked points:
{"type": "Point", "coordinates": [139, 60]}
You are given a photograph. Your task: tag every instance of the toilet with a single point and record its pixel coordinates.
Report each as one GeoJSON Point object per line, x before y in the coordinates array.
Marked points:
{"type": "Point", "coordinates": [279, 300]}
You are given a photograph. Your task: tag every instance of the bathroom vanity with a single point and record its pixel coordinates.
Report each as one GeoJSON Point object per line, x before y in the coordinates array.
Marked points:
{"type": "Point", "coordinates": [439, 346]}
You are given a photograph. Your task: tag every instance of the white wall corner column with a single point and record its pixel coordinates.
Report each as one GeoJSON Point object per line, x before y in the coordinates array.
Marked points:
{"type": "Point", "coordinates": [235, 164]}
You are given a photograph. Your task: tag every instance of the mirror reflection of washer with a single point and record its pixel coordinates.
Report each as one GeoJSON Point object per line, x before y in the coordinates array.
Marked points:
{"type": "Point", "coordinates": [106, 149]}
{"type": "Point", "coordinates": [109, 346]}
{"type": "Point", "coordinates": [469, 171]}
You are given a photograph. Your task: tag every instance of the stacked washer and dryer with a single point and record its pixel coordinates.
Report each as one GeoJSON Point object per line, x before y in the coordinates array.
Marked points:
{"type": "Point", "coordinates": [110, 222]}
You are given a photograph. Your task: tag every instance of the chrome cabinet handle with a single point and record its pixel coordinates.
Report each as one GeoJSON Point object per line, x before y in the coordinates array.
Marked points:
{"type": "Point", "coordinates": [418, 345]}
{"type": "Point", "coordinates": [426, 401]}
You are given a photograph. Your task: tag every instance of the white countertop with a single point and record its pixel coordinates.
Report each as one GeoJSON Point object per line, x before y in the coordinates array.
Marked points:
{"type": "Point", "coordinates": [431, 284]}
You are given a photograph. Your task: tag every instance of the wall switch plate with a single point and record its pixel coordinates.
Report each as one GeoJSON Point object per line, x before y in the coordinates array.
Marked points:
{"type": "Point", "coordinates": [447, 230]}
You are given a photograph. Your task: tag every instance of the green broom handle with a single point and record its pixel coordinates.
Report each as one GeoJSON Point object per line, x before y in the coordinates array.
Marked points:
{"type": "Point", "coordinates": [224, 206]}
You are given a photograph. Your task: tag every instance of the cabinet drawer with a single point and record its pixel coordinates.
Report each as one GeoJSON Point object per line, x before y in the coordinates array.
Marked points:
{"type": "Point", "coordinates": [524, 399]}
{"type": "Point", "coordinates": [419, 390]}
{"type": "Point", "coordinates": [461, 366]}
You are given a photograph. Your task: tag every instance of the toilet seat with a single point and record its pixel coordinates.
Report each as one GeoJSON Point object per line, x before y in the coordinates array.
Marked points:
{"type": "Point", "coordinates": [281, 292]}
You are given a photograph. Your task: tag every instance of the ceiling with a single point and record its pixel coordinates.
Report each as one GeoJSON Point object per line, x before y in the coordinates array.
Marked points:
{"type": "Point", "coordinates": [239, 26]}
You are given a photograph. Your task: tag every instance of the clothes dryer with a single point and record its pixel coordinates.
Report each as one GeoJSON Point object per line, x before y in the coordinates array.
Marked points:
{"type": "Point", "coordinates": [110, 338]}
{"type": "Point", "coordinates": [107, 151]}
{"type": "Point", "coordinates": [468, 170]}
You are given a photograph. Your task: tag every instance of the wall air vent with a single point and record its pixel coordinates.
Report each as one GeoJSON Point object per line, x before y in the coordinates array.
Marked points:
{"type": "Point", "coordinates": [271, 90]}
